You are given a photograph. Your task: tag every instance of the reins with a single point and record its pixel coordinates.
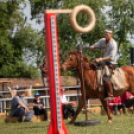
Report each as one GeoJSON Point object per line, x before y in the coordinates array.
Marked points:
{"type": "Point", "coordinates": [89, 65]}
{"type": "Point", "coordinates": [76, 60]}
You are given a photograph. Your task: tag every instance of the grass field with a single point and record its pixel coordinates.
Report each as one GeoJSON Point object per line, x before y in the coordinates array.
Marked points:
{"type": "Point", "coordinates": [123, 124]}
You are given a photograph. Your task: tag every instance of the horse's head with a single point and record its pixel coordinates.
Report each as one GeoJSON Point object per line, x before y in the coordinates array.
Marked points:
{"type": "Point", "coordinates": [71, 62]}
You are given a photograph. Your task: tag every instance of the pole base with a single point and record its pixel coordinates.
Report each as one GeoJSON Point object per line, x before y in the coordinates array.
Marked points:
{"type": "Point", "coordinates": [87, 123]}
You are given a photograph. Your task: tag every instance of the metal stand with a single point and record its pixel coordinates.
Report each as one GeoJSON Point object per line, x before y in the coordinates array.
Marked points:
{"type": "Point", "coordinates": [83, 85]}
{"type": "Point", "coordinates": [87, 122]}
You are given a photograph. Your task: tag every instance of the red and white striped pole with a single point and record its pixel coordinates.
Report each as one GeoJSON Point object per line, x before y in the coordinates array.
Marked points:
{"type": "Point", "coordinates": [57, 125]}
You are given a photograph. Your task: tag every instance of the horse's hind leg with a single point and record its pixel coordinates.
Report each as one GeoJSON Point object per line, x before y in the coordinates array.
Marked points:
{"type": "Point", "coordinates": [81, 104]}
{"type": "Point", "coordinates": [110, 116]}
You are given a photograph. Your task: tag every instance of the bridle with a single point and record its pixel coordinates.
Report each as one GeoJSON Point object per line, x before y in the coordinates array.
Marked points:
{"type": "Point", "coordinates": [76, 61]}
{"type": "Point", "coordinates": [87, 64]}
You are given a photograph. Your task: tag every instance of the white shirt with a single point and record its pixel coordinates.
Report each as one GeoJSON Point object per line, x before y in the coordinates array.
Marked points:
{"type": "Point", "coordinates": [63, 99]}
{"type": "Point", "coordinates": [111, 49]}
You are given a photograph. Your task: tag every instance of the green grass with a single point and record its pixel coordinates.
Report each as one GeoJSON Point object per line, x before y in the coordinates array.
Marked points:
{"type": "Point", "coordinates": [123, 124]}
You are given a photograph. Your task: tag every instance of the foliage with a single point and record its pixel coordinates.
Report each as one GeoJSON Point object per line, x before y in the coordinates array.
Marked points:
{"type": "Point", "coordinates": [121, 20]}
{"type": "Point", "coordinates": [18, 41]}
{"type": "Point", "coordinates": [69, 73]}
{"type": "Point", "coordinates": [22, 48]}
{"type": "Point", "coordinates": [67, 37]}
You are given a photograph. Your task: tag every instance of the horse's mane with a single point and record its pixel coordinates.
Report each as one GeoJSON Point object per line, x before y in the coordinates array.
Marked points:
{"type": "Point", "coordinates": [86, 60]}
{"type": "Point", "coordinates": [92, 65]}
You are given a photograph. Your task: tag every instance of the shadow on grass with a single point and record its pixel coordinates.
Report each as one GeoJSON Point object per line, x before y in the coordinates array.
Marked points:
{"type": "Point", "coordinates": [27, 127]}
{"type": "Point", "coordinates": [33, 127]}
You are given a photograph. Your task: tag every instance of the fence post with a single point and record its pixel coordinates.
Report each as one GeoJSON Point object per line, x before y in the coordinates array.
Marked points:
{"type": "Point", "coordinates": [1, 106]}
{"type": "Point", "coordinates": [4, 106]}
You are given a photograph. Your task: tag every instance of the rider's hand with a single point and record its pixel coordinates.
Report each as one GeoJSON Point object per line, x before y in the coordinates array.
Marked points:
{"type": "Point", "coordinates": [97, 60]}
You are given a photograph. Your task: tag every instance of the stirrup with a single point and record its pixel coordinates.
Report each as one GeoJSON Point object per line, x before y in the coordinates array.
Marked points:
{"type": "Point", "coordinates": [110, 98]}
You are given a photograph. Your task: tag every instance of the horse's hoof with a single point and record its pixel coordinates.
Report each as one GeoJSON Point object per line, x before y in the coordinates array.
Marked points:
{"type": "Point", "coordinates": [109, 121]}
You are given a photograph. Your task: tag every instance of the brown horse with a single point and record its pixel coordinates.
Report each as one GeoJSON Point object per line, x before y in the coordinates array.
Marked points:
{"type": "Point", "coordinates": [89, 74]}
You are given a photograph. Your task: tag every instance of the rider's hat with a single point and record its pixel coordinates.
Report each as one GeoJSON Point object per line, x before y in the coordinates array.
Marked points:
{"type": "Point", "coordinates": [108, 31]}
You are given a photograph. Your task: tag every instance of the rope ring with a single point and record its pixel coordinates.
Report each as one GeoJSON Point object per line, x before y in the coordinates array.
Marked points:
{"type": "Point", "coordinates": [74, 23]}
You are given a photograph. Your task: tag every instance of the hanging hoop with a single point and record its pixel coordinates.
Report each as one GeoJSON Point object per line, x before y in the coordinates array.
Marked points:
{"type": "Point", "coordinates": [74, 23]}
{"type": "Point", "coordinates": [74, 12]}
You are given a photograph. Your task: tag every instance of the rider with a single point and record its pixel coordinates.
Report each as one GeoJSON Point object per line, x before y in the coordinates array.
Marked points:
{"type": "Point", "coordinates": [109, 49]}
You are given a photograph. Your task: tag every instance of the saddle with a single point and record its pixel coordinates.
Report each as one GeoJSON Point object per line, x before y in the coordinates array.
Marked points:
{"type": "Point", "coordinates": [118, 79]}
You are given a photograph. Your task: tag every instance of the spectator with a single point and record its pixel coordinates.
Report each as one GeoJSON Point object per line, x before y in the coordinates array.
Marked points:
{"type": "Point", "coordinates": [19, 107]}
{"type": "Point", "coordinates": [128, 99]}
{"type": "Point", "coordinates": [116, 105]}
{"type": "Point", "coordinates": [67, 106]}
{"type": "Point", "coordinates": [44, 71]}
{"type": "Point", "coordinates": [38, 106]}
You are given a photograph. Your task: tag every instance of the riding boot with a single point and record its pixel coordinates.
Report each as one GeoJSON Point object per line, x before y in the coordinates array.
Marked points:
{"type": "Point", "coordinates": [109, 89]}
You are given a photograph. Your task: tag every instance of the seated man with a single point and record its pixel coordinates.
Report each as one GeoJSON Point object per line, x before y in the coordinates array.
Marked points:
{"type": "Point", "coordinates": [38, 106]}
{"type": "Point", "coordinates": [67, 106]}
{"type": "Point", "coordinates": [116, 105]}
{"type": "Point", "coordinates": [19, 107]}
{"type": "Point", "coordinates": [128, 99]}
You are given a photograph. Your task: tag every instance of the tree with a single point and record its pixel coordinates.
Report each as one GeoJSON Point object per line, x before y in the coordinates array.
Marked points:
{"type": "Point", "coordinates": [121, 20]}
{"type": "Point", "coordinates": [17, 39]}
{"type": "Point", "coordinates": [67, 37]}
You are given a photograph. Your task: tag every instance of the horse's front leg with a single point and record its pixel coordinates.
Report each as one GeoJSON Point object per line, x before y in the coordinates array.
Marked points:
{"type": "Point", "coordinates": [110, 116]}
{"type": "Point", "coordinates": [81, 104]}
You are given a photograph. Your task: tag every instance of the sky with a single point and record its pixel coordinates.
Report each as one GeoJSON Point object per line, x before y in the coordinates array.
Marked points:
{"type": "Point", "coordinates": [27, 12]}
